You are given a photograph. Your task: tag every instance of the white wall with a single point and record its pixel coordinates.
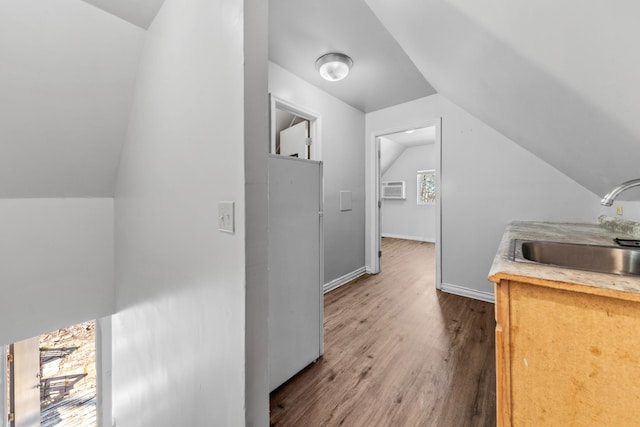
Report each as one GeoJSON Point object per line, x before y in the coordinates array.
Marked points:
{"type": "Point", "coordinates": [57, 264]}
{"type": "Point", "coordinates": [67, 77]}
{"type": "Point", "coordinates": [487, 181]}
{"type": "Point", "coordinates": [341, 152]}
{"type": "Point", "coordinates": [630, 210]}
{"type": "Point", "coordinates": [178, 336]}
{"type": "Point", "coordinates": [560, 79]}
{"type": "Point", "coordinates": [256, 144]}
{"type": "Point", "coordinates": [389, 152]}
{"type": "Point", "coordinates": [406, 219]}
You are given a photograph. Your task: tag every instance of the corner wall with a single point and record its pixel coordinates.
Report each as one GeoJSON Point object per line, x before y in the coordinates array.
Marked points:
{"type": "Point", "coordinates": [341, 153]}
{"type": "Point", "coordinates": [405, 219]}
{"type": "Point", "coordinates": [487, 181]}
{"type": "Point", "coordinates": [57, 264]}
{"type": "Point", "coordinates": [179, 334]}
{"type": "Point", "coordinates": [256, 144]}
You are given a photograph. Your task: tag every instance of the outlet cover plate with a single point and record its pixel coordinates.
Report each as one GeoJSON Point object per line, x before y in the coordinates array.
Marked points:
{"type": "Point", "coordinates": [226, 217]}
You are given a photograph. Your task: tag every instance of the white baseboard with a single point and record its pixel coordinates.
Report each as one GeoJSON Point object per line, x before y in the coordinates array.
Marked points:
{"type": "Point", "coordinates": [402, 236]}
{"type": "Point", "coordinates": [336, 283]}
{"type": "Point", "coordinates": [468, 292]}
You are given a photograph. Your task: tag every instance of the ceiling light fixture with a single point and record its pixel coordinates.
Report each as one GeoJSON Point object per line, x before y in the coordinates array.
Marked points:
{"type": "Point", "coordinates": [334, 66]}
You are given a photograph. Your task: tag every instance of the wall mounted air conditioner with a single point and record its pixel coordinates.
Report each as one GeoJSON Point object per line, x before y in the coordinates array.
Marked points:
{"type": "Point", "coordinates": [394, 190]}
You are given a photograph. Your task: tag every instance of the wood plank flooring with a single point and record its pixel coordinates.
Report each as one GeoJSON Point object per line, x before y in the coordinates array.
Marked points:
{"type": "Point", "coordinates": [397, 353]}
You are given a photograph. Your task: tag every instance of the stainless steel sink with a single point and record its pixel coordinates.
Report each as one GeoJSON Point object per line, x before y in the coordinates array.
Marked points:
{"type": "Point", "coordinates": [601, 259]}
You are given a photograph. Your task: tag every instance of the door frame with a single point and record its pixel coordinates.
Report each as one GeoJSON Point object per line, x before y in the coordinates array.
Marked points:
{"type": "Point", "coordinates": [25, 382]}
{"type": "Point", "coordinates": [373, 183]}
{"type": "Point", "coordinates": [3, 387]}
{"type": "Point", "coordinates": [103, 376]}
{"type": "Point", "coordinates": [104, 385]}
{"type": "Point", "coordinates": [314, 119]}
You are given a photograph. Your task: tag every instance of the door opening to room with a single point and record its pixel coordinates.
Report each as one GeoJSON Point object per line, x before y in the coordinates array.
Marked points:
{"type": "Point", "coordinates": [292, 136]}
{"type": "Point", "coordinates": [408, 170]}
{"type": "Point", "coordinates": [51, 378]}
{"type": "Point", "coordinates": [293, 131]}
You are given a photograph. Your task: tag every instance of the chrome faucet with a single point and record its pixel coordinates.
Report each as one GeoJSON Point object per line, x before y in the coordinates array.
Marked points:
{"type": "Point", "coordinates": [611, 195]}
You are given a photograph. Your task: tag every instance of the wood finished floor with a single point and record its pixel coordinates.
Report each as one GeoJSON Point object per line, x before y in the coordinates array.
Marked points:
{"type": "Point", "coordinates": [397, 353]}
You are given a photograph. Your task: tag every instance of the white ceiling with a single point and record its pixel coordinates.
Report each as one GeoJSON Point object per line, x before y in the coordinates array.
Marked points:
{"type": "Point", "coordinates": [67, 80]}
{"type": "Point", "coordinates": [567, 93]}
{"type": "Point", "coordinates": [382, 74]}
{"type": "Point", "coordinates": [393, 145]}
{"type": "Point", "coordinates": [558, 78]}
{"type": "Point", "coordinates": [422, 136]}
{"type": "Point", "coordinates": [137, 12]}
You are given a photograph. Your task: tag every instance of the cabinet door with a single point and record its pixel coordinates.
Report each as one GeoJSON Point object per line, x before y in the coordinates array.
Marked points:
{"type": "Point", "coordinates": [573, 357]}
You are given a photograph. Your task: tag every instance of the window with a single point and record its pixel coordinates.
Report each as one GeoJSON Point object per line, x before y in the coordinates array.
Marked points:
{"type": "Point", "coordinates": [426, 187]}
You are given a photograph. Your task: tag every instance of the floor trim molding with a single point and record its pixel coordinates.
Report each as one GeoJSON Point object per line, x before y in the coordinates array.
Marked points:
{"type": "Point", "coordinates": [343, 280]}
{"type": "Point", "coordinates": [468, 292]}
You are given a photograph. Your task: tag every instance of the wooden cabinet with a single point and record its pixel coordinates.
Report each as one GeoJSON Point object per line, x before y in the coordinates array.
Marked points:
{"type": "Point", "coordinates": [566, 354]}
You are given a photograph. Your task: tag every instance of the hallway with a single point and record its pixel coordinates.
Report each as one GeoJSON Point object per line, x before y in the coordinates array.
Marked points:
{"type": "Point", "coordinates": [397, 353]}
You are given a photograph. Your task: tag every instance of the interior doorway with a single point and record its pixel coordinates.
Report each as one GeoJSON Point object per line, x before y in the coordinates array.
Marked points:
{"type": "Point", "coordinates": [51, 378]}
{"type": "Point", "coordinates": [400, 191]}
{"type": "Point", "coordinates": [295, 131]}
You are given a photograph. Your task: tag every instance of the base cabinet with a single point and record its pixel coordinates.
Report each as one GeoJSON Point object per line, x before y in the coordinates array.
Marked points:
{"type": "Point", "coordinates": [566, 355]}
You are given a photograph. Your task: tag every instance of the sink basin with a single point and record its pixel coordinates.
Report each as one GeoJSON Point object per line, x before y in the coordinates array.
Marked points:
{"type": "Point", "coordinates": [601, 259]}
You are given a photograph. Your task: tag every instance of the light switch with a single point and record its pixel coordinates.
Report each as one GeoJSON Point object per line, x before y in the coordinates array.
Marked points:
{"type": "Point", "coordinates": [226, 220]}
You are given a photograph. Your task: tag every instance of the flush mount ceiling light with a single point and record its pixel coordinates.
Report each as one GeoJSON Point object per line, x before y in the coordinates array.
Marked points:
{"type": "Point", "coordinates": [334, 66]}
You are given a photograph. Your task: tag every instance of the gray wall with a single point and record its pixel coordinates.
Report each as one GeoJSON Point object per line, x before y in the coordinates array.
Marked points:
{"type": "Point", "coordinates": [518, 68]}
{"type": "Point", "coordinates": [342, 136]}
{"type": "Point", "coordinates": [406, 219]}
{"type": "Point", "coordinates": [256, 144]}
{"type": "Point", "coordinates": [389, 152]}
{"type": "Point", "coordinates": [487, 181]}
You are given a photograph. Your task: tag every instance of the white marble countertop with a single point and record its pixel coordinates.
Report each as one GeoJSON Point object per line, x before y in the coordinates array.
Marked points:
{"type": "Point", "coordinates": [593, 234]}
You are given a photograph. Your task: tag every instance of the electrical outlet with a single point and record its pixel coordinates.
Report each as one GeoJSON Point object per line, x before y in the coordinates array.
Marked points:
{"type": "Point", "coordinates": [619, 209]}
{"type": "Point", "coordinates": [226, 220]}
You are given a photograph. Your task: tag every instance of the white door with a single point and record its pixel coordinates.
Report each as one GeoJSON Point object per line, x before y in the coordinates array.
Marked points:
{"type": "Point", "coordinates": [295, 266]}
{"type": "Point", "coordinates": [24, 390]}
{"type": "Point", "coordinates": [293, 141]}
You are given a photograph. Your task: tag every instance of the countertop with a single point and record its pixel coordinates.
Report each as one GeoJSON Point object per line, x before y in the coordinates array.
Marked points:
{"type": "Point", "coordinates": [593, 234]}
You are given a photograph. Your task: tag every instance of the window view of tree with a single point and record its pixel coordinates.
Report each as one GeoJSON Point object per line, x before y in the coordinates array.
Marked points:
{"type": "Point", "coordinates": [426, 187]}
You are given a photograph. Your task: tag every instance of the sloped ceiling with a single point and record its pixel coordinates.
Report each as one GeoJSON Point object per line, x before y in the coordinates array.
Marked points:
{"type": "Point", "coordinates": [300, 31]}
{"type": "Point", "coordinates": [558, 78]}
{"type": "Point", "coordinates": [393, 145]}
{"type": "Point", "coordinates": [137, 12]}
{"type": "Point", "coordinates": [414, 137]}
{"type": "Point", "coordinates": [66, 83]}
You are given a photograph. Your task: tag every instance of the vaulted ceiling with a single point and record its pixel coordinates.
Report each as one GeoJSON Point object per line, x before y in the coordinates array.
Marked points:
{"type": "Point", "coordinates": [382, 74]}
{"type": "Point", "coordinates": [66, 83]}
{"type": "Point", "coordinates": [558, 78]}
{"type": "Point", "coordinates": [137, 12]}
